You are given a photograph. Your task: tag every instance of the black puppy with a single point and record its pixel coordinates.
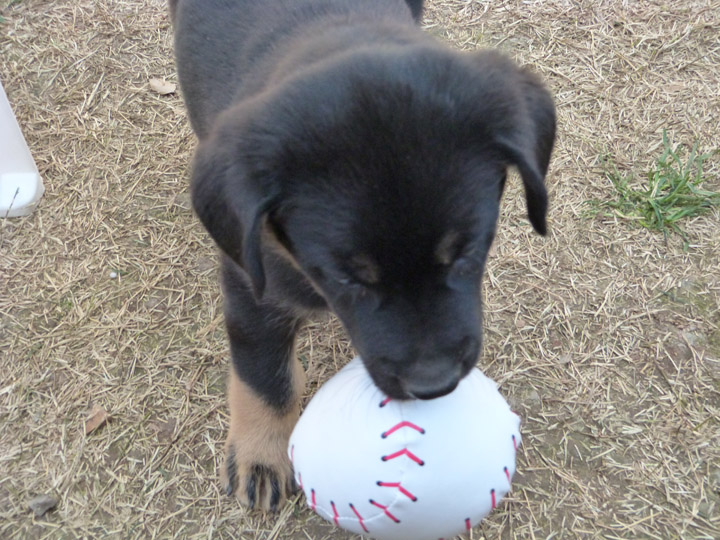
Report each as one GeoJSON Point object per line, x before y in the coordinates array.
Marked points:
{"type": "Point", "coordinates": [348, 161]}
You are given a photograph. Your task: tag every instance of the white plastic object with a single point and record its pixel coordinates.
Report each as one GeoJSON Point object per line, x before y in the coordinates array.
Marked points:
{"type": "Point", "coordinates": [404, 470]}
{"type": "Point", "coordinates": [20, 183]}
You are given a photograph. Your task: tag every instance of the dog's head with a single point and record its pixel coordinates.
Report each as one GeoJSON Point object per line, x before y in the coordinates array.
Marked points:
{"type": "Point", "coordinates": [381, 176]}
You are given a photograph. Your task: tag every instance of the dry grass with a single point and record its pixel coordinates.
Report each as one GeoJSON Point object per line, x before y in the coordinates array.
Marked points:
{"type": "Point", "coordinates": [605, 337]}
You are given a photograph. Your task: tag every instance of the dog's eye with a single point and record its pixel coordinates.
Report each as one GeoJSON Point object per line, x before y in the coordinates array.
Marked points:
{"type": "Point", "coordinates": [353, 286]}
{"type": "Point", "coordinates": [448, 248]}
{"type": "Point", "coordinates": [465, 267]}
{"type": "Point", "coordinates": [346, 282]}
{"type": "Point", "coordinates": [363, 269]}
{"type": "Point", "coordinates": [352, 291]}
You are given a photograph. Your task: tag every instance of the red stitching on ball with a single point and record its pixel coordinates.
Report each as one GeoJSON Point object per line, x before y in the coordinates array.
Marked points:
{"type": "Point", "coordinates": [514, 443]}
{"type": "Point", "coordinates": [507, 474]}
{"type": "Point", "coordinates": [313, 504]}
{"type": "Point", "coordinates": [402, 425]}
{"type": "Point", "coordinates": [335, 513]}
{"type": "Point", "coordinates": [384, 509]}
{"type": "Point", "coordinates": [385, 401]}
{"type": "Point", "coordinates": [492, 495]}
{"type": "Point", "coordinates": [467, 524]}
{"type": "Point", "coordinates": [360, 518]}
{"type": "Point", "coordinates": [404, 452]}
{"type": "Point", "coordinates": [399, 487]}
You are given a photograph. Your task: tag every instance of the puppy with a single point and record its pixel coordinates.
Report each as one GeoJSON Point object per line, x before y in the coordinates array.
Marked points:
{"type": "Point", "coordinates": [346, 160]}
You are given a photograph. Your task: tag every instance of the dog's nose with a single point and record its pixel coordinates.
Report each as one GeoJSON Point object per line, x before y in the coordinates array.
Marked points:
{"type": "Point", "coordinates": [430, 380]}
{"type": "Point", "coordinates": [430, 392]}
{"type": "Point", "coordinates": [439, 375]}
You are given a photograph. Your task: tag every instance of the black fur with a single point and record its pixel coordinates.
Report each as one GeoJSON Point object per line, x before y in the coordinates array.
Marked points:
{"type": "Point", "coordinates": [340, 149]}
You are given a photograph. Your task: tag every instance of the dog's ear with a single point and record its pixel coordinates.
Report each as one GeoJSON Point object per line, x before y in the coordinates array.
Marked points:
{"type": "Point", "coordinates": [231, 203]}
{"type": "Point", "coordinates": [530, 143]}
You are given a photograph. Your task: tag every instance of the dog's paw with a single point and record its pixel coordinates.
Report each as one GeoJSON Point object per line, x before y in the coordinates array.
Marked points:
{"type": "Point", "coordinates": [257, 484]}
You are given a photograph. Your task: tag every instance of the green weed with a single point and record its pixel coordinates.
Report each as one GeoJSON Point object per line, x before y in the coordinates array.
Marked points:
{"type": "Point", "coordinates": [672, 191]}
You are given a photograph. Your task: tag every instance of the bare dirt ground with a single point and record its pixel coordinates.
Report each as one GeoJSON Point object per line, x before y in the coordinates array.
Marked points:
{"type": "Point", "coordinates": [604, 336]}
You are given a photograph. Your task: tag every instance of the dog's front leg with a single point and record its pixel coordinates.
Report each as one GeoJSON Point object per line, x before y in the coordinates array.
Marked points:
{"type": "Point", "coordinates": [264, 389]}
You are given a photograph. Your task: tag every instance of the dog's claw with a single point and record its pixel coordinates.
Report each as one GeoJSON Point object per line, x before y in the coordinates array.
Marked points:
{"type": "Point", "coordinates": [292, 486]}
{"type": "Point", "coordinates": [230, 472]}
{"type": "Point", "coordinates": [251, 488]}
{"type": "Point", "coordinates": [275, 495]}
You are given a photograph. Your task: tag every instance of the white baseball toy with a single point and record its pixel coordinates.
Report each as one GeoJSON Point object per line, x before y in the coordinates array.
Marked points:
{"type": "Point", "coordinates": [404, 470]}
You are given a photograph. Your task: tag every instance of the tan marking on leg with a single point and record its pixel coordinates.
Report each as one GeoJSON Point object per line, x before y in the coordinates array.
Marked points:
{"type": "Point", "coordinates": [259, 435]}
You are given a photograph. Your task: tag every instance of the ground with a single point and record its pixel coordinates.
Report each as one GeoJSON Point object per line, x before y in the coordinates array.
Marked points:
{"type": "Point", "coordinates": [604, 336]}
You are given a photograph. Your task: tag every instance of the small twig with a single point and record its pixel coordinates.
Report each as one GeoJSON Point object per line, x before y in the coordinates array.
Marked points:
{"type": "Point", "coordinates": [7, 214]}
